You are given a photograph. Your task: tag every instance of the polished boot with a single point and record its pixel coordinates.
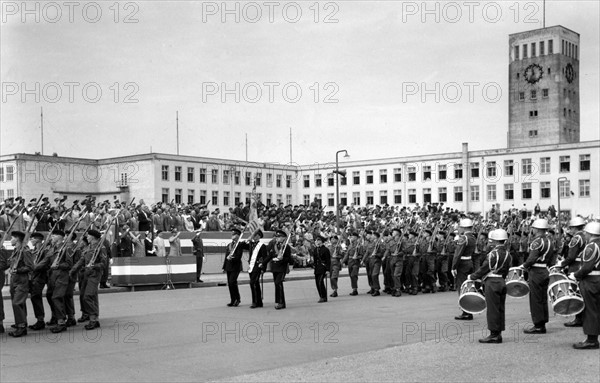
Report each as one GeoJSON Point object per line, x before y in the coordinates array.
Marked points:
{"type": "Point", "coordinates": [322, 300]}
{"type": "Point", "coordinates": [535, 330]}
{"type": "Point", "coordinates": [464, 316]}
{"type": "Point", "coordinates": [494, 337]}
{"type": "Point", "coordinates": [334, 294]}
{"type": "Point", "coordinates": [59, 328]}
{"type": "Point", "coordinates": [376, 293]}
{"type": "Point", "coordinates": [19, 332]}
{"type": "Point", "coordinates": [84, 318]}
{"type": "Point", "coordinates": [574, 323]}
{"type": "Point", "coordinates": [586, 345]}
{"type": "Point", "coordinates": [92, 325]}
{"type": "Point", "coordinates": [354, 292]}
{"type": "Point", "coordinates": [71, 322]}
{"type": "Point", "coordinates": [279, 306]}
{"type": "Point", "coordinates": [236, 303]}
{"type": "Point", "coordinates": [39, 325]}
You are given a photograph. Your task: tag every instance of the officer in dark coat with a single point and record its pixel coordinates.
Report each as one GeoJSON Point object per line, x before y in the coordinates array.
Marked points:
{"type": "Point", "coordinates": [198, 251]}
{"type": "Point", "coordinates": [258, 252]}
{"type": "Point", "coordinates": [493, 271]}
{"type": "Point", "coordinates": [321, 261]}
{"type": "Point", "coordinates": [280, 255]}
{"type": "Point", "coordinates": [462, 264]}
{"type": "Point", "coordinates": [21, 264]}
{"type": "Point", "coordinates": [232, 265]}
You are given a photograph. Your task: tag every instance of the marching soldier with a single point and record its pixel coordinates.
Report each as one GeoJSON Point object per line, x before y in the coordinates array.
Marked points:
{"type": "Point", "coordinates": [462, 264]}
{"type": "Point", "coordinates": [394, 254]}
{"type": "Point", "coordinates": [428, 252]}
{"type": "Point", "coordinates": [573, 258]}
{"type": "Point", "coordinates": [321, 260]}
{"type": "Point", "coordinates": [441, 261]}
{"type": "Point", "coordinates": [39, 279]}
{"type": "Point", "coordinates": [337, 253]}
{"type": "Point", "coordinates": [3, 266]}
{"type": "Point", "coordinates": [513, 247]}
{"type": "Point", "coordinates": [280, 255]}
{"type": "Point", "coordinates": [450, 249]}
{"type": "Point", "coordinates": [480, 249]}
{"type": "Point", "coordinates": [368, 246]}
{"type": "Point", "coordinates": [493, 271]}
{"type": "Point", "coordinates": [373, 258]}
{"type": "Point", "coordinates": [92, 259]}
{"type": "Point", "coordinates": [258, 252]}
{"type": "Point", "coordinates": [386, 263]}
{"type": "Point", "coordinates": [198, 251]}
{"type": "Point", "coordinates": [21, 264]}
{"type": "Point", "coordinates": [540, 254]}
{"type": "Point", "coordinates": [352, 259]}
{"type": "Point", "coordinates": [60, 262]}
{"type": "Point", "coordinates": [232, 265]}
{"type": "Point", "coordinates": [589, 284]}
{"type": "Point", "coordinates": [411, 271]}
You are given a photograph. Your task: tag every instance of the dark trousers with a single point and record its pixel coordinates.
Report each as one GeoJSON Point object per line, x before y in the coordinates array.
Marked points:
{"type": "Point", "coordinates": [388, 273]}
{"type": "Point", "coordinates": [538, 295]}
{"type": "Point", "coordinates": [234, 291]}
{"type": "Point", "coordinates": [91, 280]}
{"type": "Point", "coordinates": [336, 266]}
{"type": "Point", "coordinates": [441, 269]}
{"type": "Point", "coordinates": [477, 259]}
{"type": "Point", "coordinates": [80, 278]}
{"type": "Point", "coordinates": [255, 287]}
{"type": "Point", "coordinates": [375, 268]}
{"type": "Point", "coordinates": [590, 291]}
{"type": "Point", "coordinates": [19, 289]}
{"type": "Point", "coordinates": [69, 301]}
{"type": "Point", "coordinates": [320, 282]}
{"type": "Point", "coordinates": [463, 269]}
{"type": "Point", "coordinates": [369, 277]}
{"type": "Point", "coordinates": [412, 271]}
{"type": "Point", "coordinates": [398, 266]}
{"type": "Point", "coordinates": [104, 277]}
{"type": "Point", "coordinates": [429, 272]}
{"type": "Point", "coordinates": [495, 299]}
{"type": "Point", "coordinates": [36, 289]}
{"type": "Point", "coordinates": [353, 267]}
{"type": "Point", "coordinates": [449, 273]}
{"type": "Point", "coordinates": [279, 292]}
{"type": "Point", "coordinates": [59, 280]}
{"type": "Point", "coordinates": [199, 261]}
{"type": "Point", "coordinates": [2, 281]}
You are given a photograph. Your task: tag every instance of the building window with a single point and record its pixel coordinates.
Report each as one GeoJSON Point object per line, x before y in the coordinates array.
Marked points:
{"type": "Point", "coordinates": [190, 195]}
{"type": "Point", "coordinates": [343, 180]}
{"type": "Point", "coordinates": [214, 178]}
{"type": "Point", "coordinates": [426, 195]}
{"type": "Point", "coordinates": [426, 173]}
{"type": "Point", "coordinates": [517, 52]}
{"type": "Point", "coordinates": [1, 174]}
{"type": "Point", "coordinates": [545, 165]}
{"type": "Point", "coordinates": [491, 192]}
{"type": "Point", "coordinates": [258, 179]}
{"type": "Point", "coordinates": [491, 169]}
{"type": "Point", "coordinates": [177, 173]}
{"type": "Point", "coordinates": [584, 162]}
{"type": "Point", "coordinates": [509, 192]}
{"type": "Point", "coordinates": [550, 47]}
{"type": "Point", "coordinates": [226, 198]}
{"type": "Point", "coordinates": [533, 94]}
{"type": "Point", "coordinates": [412, 195]}
{"type": "Point", "coordinates": [356, 198]}
{"type": "Point", "coordinates": [279, 199]}
{"type": "Point", "coordinates": [564, 188]}
{"type": "Point", "coordinates": [306, 179]}
{"type": "Point", "coordinates": [269, 180]}
{"type": "Point", "coordinates": [202, 197]}
{"type": "Point", "coordinates": [458, 194]}
{"type": "Point", "coordinates": [10, 193]}
{"type": "Point", "coordinates": [383, 197]}
{"type": "Point", "coordinates": [533, 50]}
{"type": "Point", "coordinates": [1, 195]}
{"type": "Point", "coordinates": [533, 133]}
{"type": "Point", "coordinates": [190, 174]}
{"type": "Point", "coordinates": [383, 176]}
{"type": "Point", "coordinates": [542, 48]}
{"type": "Point", "coordinates": [318, 180]}
{"type": "Point", "coordinates": [370, 199]}
{"type": "Point", "coordinates": [533, 113]}
{"type": "Point", "coordinates": [442, 172]}
{"type": "Point", "coordinates": [178, 195]}
{"type": "Point", "coordinates": [526, 190]}
{"type": "Point", "coordinates": [343, 199]}
{"type": "Point", "coordinates": [584, 188]}
{"type": "Point", "coordinates": [474, 169]}
{"type": "Point", "coordinates": [236, 177]}
{"type": "Point", "coordinates": [288, 199]}
{"type": "Point", "coordinates": [458, 172]}
{"type": "Point", "coordinates": [524, 51]}
{"type": "Point", "coordinates": [248, 178]}
{"type": "Point", "coordinates": [442, 194]}
{"type": "Point", "coordinates": [356, 178]}
{"type": "Point", "coordinates": [215, 198]}
{"type": "Point", "coordinates": [270, 198]}
{"type": "Point", "coordinates": [306, 199]}
{"type": "Point", "coordinates": [237, 198]}
{"type": "Point", "coordinates": [565, 164]}
{"type": "Point", "coordinates": [544, 189]}
{"type": "Point", "coordinates": [508, 167]}
{"type": "Point", "coordinates": [319, 200]}
{"type": "Point", "coordinates": [288, 181]}
{"type": "Point", "coordinates": [397, 175]}
{"type": "Point", "coordinates": [474, 193]}
{"type": "Point", "coordinates": [412, 173]}
{"type": "Point", "coordinates": [330, 199]}
{"type": "Point", "coordinates": [225, 178]}
{"type": "Point", "coordinates": [527, 166]}
{"type": "Point", "coordinates": [397, 197]}
{"type": "Point", "coordinates": [278, 178]}
{"type": "Point", "coordinates": [545, 93]}
{"type": "Point", "coordinates": [330, 179]}
{"type": "Point", "coordinates": [369, 176]}
{"type": "Point", "coordinates": [165, 195]}
{"type": "Point", "coordinates": [202, 177]}
{"type": "Point", "coordinates": [164, 172]}
{"type": "Point", "coordinates": [521, 96]}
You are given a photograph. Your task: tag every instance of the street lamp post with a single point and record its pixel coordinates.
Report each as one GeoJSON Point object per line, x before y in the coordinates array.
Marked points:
{"type": "Point", "coordinates": [337, 188]}
{"type": "Point", "coordinates": [558, 195]}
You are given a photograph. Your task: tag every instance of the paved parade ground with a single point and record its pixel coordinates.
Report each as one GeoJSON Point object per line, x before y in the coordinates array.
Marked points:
{"type": "Point", "coordinates": [190, 335]}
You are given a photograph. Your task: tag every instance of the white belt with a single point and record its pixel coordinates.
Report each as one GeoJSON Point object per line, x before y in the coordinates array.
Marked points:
{"type": "Point", "coordinates": [493, 275]}
{"type": "Point", "coordinates": [465, 258]}
{"type": "Point", "coordinates": [595, 272]}
{"type": "Point", "coordinates": [539, 265]}
{"type": "Point", "coordinates": [577, 259]}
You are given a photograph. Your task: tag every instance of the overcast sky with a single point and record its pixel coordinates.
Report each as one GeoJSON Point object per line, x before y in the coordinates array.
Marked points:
{"type": "Point", "coordinates": [360, 67]}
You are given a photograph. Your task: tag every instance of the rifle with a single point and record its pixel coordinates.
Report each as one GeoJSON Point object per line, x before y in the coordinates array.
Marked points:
{"type": "Point", "coordinates": [16, 258]}
{"type": "Point", "coordinates": [100, 244]}
{"type": "Point", "coordinates": [67, 239]}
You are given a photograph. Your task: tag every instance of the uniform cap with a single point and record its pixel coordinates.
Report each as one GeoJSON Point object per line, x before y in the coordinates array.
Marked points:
{"type": "Point", "coordinates": [18, 234]}
{"type": "Point", "coordinates": [498, 235]}
{"type": "Point", "coordinates": [58, 232]}
{"type": "Point", "coordinates": [37, 235]}
{"type": "Point", "coordinates": [541, 224]}
{"type": "Point", "coordinates": [577, 221]}
{"type": "Point", "coordinates": [236, 231]}
{"type": "Point", "coordinates": [466, 222]}
{"type": "Point", "coordinates": [592, 228]}
{"type": "Point", "coordinates": [94, 233]}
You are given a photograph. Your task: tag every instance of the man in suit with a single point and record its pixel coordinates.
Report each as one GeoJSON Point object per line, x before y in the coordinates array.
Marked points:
{"type": "Point", "coordinates": [321, 261]}
{"type": "Point", "coordinates": [280, 255]}
{"type": "Point", "coordinates": [198, 251]}
{"type": "Point", "coordinates": [257, 253]}
{"type": "Point", "coordinates": [232, 265]}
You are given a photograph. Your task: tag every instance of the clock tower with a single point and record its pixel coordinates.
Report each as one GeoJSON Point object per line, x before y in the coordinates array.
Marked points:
{"type": "Point", "coordinates": [543, 105]}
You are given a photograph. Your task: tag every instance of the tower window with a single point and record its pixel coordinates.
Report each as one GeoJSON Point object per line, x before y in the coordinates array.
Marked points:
{"type": "Point", "coordinates": [533, 133]}
{"type": "Point", "coordinates": [521, 96]}
{"type": "Point", "coordinates": [524, 51]}
{"type": "Point", "coordinates": [533, 113]}
{"type": "Point", "coordinates": [542, 46]}
{"type": "Point", "coordinates": [517, 52]}
{"type": "Point", "coordinates": [550, 47]}
{"type": "Point", "coordinates": [533, 94]}
{"type": "Point", "coordinates": [545, 93]}
{"type": "Point", "coordinates": [549, 70]}
{"type": "Point", "coordinates": [533, 50]}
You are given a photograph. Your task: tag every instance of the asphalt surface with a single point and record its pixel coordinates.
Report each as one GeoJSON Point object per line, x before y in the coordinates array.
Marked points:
{"type": "Point", "coordinates": [190, 335]}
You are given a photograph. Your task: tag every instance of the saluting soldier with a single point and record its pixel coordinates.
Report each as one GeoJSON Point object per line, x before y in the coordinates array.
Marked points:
{"type": "Point", "coordinates": [258, 252]}
{"type": "Point", "coordinates": [493, 271]}
{"type": "Point", "coordinates": [232, 265]}
{"type": "Point", "coordinates": [21, 264]}
{"type": "Point", "coordinates": [394, 254]}
{"type": "Point", "coordinates": [337, 253]}
{"type": "Point", "coordinates": [573, 258]}
{"type": "Point", "coordinates": [280, 255]}
{"type": "Point", "coordinates": [540, 253]}
{"type": "Point", "coordinates": [462, 264]}
{"type": "Point", "coordinates": [39, 279]}
{"type": "Point", "coordinates": [589, 284]}
{"type": "Point", "coordinates": [321, 260]}
{"type": "Point", "coordinates": [92, 259]}
{"type": "Point", "coordinates": [352, 259]}
{"type": "Point", "coordinates": [60, 262]}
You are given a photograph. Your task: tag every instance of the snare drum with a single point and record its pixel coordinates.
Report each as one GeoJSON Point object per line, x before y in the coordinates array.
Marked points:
{"type": "Point", "coordinates": [565, 297]}
{"type": "Point", "coordinates": [516, 286]}
{"type": "Point", "coordinates": [555, 276]}
{"type": "Point", "coordinates": [470, 299]}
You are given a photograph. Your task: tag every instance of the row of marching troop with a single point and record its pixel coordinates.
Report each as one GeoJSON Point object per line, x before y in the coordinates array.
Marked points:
{"type": "Point", "coordinates": [571, 283]}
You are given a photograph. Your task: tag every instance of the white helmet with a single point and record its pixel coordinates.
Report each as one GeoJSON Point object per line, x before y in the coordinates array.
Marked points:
{"type": "Point", "coordinates": [577, 221]}
{"type": "Point", "coordinates": [466, 222]}
{"type": "Point", "coordinates": [592, 228]}
{"type": "Point", "coordinates": [540, 224]}
{"type": "Point", "coordinates": [498, 235]}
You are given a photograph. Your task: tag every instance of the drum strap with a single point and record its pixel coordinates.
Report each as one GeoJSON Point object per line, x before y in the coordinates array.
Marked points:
{"type": "Point", "coordinates": [547, 245]}
{"type": "Point", "coordinates": [495, 269]}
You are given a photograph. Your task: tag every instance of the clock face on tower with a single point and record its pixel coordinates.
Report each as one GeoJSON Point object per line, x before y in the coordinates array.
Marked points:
{"type": "Point", "coordinates": [570, 73]}
{"type": "Point", "coordinates": [533, 73]}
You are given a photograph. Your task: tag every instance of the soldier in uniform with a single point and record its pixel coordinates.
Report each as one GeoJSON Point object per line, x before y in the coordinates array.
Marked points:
{"type": "Point", "coordinates": [493, 271]}
{"type": "Point", "coordinates": [61, 261]}
{"type": "Point", "coordinates": [198, 251]}
{"type": "Point", "coordinates": [93, 258]}
{"type": "Point", "coordinates": [232, 265]}
{"type": "Point", "coordinates": [589, 284]}
{"type": "Point", "coordinates": [368, 246]}
{"type": "Point", "coordinates": [540, 253]}
{"type": "Point", "coordinates": [39, 279]}
{"type": "Point", "coordinates": [352, 259]}
{"type": "Point", "coordinates": [373, 258]}
{"type": "Point", "coordinates": [441, 261]}
{"type": "Point", "coordinates": [429, 253]}
{"type": "Point", "coordinates": [280, 256]}
{"type": "Point", "coordinates": [69, 300]}
{"type": "Point", "coordinates": [3, 266]}
{"type": "Point", "coordinates": [258, 252]}
{"type": "Point", "coordinates": [386, 264]}
{"type": "Point", "coordinates": [396, 260]}
{"type": "Point", "coordinates": [462, 263]}
{"type": "Point", "coordinates": [411, 269]}
{"type": "Point", "coordinates": [21, 264]}
{"type": "Point", "coordinates": [513, 246]}
{"type": "Point", "coordinates": [480, 252]}
{"type": "Point", "coordinates": [321, 261]}
{"type": "Point", "coordinates": [337, 253]}
{"type": "Point", "coordinates": [573, 260]}
{"type": "Point", "coordinates": [450, 249]}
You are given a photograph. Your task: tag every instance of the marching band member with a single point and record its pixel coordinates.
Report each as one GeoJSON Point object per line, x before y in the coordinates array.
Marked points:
{"type": "Point", "coordinates": [462, 264]}
{"type": "Point", "coordinates": [573, 258]}
{"type": "Point", "coordinates": [494, 271]}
